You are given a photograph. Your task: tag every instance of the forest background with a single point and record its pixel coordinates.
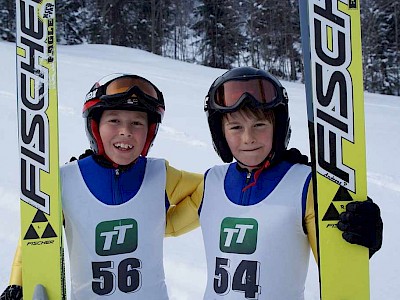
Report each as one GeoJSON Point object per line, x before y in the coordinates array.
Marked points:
{"type": "Point", "coordinates": [222, 33]}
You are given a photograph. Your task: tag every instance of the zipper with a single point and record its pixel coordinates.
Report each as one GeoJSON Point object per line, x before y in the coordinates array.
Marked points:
{"type": "Point", "coordinates": [117, 197]}
{"type": "Point", "coordinates": [248, 176]}
{"type": "Point", "coordinates": [244, 199]}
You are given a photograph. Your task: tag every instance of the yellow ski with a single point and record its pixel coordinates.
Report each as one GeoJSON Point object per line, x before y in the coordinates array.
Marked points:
{"type": "Point", "coordinates": [41, 213]}
{"type": "Point", "coordinates": [331, 41]}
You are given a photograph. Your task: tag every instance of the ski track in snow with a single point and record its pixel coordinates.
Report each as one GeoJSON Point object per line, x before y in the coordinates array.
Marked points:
{"type": "Point", "coordinates": [66, 110]}
{"type": "Point", "coordinates": [7, 94]}
{"type": "Point", "coordinates": [386, 181]}
{"type": "Point", "coordinates": [382, 105]}
{"type": "Point", "coordinates": [179, 136]}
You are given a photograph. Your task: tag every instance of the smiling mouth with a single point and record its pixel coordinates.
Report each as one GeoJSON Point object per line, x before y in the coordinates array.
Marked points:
{"type": "Point", "coordinates": [122, 146]}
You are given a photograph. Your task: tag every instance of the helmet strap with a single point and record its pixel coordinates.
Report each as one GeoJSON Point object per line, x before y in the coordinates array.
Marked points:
{"type": "Point", "coordinates": [99, 143]}
{"type": "Point", "coordinates": [265, 164]}
{"type": "Point", "coordinates": [96, 134]}
{"type": "Point", "coordinates": [150, 137]}
{"type": "Point", "coordinates": [100, 148]}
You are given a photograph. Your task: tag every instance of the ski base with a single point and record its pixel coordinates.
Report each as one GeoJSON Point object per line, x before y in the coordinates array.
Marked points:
{"type": "Point", "coordinates": [40, 293]}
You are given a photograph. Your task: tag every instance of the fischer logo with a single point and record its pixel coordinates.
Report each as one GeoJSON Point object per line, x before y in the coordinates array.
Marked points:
{"type": "Point", "coordinates": [39, 243]}
{"type": "Point", "coordinates": [35, 49]}
{"type": "Point", "coordinates": [333, 112]}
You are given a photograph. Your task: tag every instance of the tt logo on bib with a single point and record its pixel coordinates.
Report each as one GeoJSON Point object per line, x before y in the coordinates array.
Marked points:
{"type": "Point", "coordinates": [238, 235]}
{"type": "Point", "coordinates": [116, 237]}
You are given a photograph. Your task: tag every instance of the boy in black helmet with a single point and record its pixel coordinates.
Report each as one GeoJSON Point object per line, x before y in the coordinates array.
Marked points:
{"type": "Point", "coordinates": [117, 203]}
{"type": "Point", "coordinates": [257, 214]}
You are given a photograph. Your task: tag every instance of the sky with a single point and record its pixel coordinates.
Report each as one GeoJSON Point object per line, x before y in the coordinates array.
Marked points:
{"type": "Point", "coordinates": [184, 140]}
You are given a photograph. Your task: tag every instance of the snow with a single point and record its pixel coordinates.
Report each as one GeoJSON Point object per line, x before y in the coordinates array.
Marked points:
{"type": "Point", "coordinates": [185, 141]}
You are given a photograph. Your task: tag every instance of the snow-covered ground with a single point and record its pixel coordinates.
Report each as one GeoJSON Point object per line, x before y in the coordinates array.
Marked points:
{"type": "Point", "coordinates": [185, 141]}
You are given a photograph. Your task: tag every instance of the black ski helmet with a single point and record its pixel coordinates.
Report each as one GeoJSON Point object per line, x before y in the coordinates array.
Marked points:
{"type": "Point", "coordinates": [279, 107]}
{"type": "Point", "coordinates": [133, 93]}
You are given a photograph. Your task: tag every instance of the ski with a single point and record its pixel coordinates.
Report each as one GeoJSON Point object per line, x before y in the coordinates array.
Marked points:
{"type": "Point", "coordinates": [40, 293]}
{"type": "Point", "coordinates": [40, 203]}
{"type": "Point", "coordinates": [331, 43]}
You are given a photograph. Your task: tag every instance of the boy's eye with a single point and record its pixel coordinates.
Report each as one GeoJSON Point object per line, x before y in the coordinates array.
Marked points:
{"type": "Point", "coordinates": [140, 121]}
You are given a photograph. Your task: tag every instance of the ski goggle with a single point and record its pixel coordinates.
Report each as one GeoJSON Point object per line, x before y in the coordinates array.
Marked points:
{"type": "Point", "coordinates": [120, 90]}
{"type": "Point", "coordinates": [124, 84]}
{"type": "Point", "coordinates": [257, 91]}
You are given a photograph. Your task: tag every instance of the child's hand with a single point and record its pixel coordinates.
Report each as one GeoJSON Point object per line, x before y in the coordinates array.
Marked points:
{"type": "Point", "coordinates": [87, 153]}
{"type": "Point", "coordinates": [293, 155]}
{"type": "Point", "coordinates": [361, 224]}
{"type": "Point", "coordinates": [12, 292]}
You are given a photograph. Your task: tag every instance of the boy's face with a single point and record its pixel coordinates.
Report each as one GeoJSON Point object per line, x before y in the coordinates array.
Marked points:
{"type": "Point", "coordinates": [249, 138]}
{"type": "Point", "coordinates": [123, 134]}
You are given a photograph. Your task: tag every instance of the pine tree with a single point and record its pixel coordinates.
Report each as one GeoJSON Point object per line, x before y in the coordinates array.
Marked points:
{"type": "Point", "coordinates": [220, 33]}
{"type": "Point", "coordinates": [7, 20]}
{"type": "Point", "coordinates": [380, 38]}
{"type": "Point", "coordinates": [71, 21]}
{"type": "Point", "coordinates": [180, 21]}
{"type": "Point", "coordinates": [273, 31]}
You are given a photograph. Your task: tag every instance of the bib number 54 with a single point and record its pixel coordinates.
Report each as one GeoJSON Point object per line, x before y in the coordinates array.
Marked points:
{"type": "Point", "coordinates": [245, 278]}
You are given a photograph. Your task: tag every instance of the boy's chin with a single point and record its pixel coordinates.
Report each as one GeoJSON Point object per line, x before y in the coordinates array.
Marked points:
{"type": "Point", "coordinates": [250, 164]}
{"type": "Point", "coordinates": [122, 161]}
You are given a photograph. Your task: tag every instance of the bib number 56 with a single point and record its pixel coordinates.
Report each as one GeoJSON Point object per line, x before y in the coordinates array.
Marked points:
{"type": "Point", "coordinates": [127, 278]}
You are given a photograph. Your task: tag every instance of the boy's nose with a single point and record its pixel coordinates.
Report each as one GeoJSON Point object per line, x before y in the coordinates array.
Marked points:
{"type": "Point", "coordinates": [248, 137]}
{"type": "Point", "coordinates": [125, 131]}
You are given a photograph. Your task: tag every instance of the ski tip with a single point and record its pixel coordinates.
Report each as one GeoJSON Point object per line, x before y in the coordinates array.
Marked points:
{"type": "Point", "coordinates": [40, 293]}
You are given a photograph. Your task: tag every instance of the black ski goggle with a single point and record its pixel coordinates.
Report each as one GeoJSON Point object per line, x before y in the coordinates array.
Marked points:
{"type": "Point", "coordinates": [125, 90]}
{"type": "Point", "coordinates": [258, 91]}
